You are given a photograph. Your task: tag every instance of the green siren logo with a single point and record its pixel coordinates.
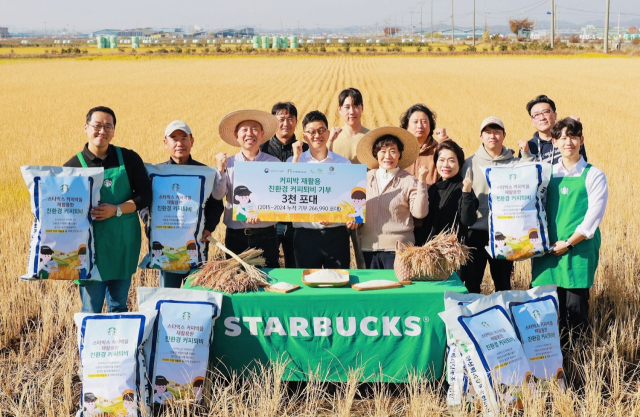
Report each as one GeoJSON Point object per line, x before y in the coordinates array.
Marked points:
{"type": "Point", "coordinates": [513, 177]}
{"type": "Point", "coordinates": [535, 314]}
{"type": "Point", "coordinates": [485, 324]}
{"type": "Point", "coordinates": [64, 188]}
{"type": "Point", "coordinates": [325, 326]}
{"type": "Point", "coordinates": [111, 331]}
{"type": "Point", "coordinates": [175, 187]}
{"type": "Point", "coordinates": [107, 182]}
{"type": "Point", "coordinates": [186, 315]}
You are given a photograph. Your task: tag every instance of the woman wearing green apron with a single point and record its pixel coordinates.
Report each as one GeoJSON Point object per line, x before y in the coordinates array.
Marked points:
{"type": "Point", "coordinates": [126, 189]}
{"type": "Point", "coordinates": [576, 200]}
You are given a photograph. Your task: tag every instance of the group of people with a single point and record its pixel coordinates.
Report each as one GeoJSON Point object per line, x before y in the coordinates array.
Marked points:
{"type": "Point", "coordinates": [418, 184]}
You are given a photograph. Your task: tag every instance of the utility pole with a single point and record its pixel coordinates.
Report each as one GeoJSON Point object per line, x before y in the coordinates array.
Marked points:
{"type": "Point", "coordinates": [553, 23]}
{"type": "Point", "coordinates": [431, 21]}
{"type": "Point", "coordinates": [421, 33]}
{"type": "Point", "coordinates": [411, 13]}
{"type": "Point", "coordinates": [474, 23]}
{"type": "Point", "coordinates": [606, 29]}
{"type": "Point", "coordinates": [453, 30]}
{"type": "Point", "coordinates": [395, 23]}
{"type": "Point", "coordinates": [45, 29]}
{"type": "Point", "coordinates": [619, 41]}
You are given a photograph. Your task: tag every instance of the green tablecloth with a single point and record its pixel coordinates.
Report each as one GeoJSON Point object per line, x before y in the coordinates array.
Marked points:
{"type": "Point", "coordinates": [396, 331]}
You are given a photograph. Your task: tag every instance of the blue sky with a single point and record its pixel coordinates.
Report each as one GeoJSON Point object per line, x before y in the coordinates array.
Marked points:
{"type": "Point", "coordinates": [268, 14]}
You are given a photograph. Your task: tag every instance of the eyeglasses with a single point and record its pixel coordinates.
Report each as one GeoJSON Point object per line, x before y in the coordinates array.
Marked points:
{"type": "Point", "coordinates": [318, 132]}
{"type": "Point", "coordinates": [543, 113]}
{"type": "Point", "coordinates": [97, 128]}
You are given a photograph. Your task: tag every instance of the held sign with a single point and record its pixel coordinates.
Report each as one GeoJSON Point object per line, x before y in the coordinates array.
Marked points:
{"type": "Point", "coordinates": [299, 192]}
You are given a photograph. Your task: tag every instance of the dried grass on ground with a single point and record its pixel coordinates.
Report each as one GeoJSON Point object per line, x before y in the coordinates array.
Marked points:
{"type": "Point", "coordinates": [44, 103]}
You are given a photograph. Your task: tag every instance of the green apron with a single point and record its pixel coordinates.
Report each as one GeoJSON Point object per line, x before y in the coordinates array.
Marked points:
{"type": "Point", "coordinates": [117, 239]}
{"type": "Point", "coordinates": [567, 204]}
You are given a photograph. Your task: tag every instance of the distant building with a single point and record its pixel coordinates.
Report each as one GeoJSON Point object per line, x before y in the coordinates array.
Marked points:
{"type": "Point", "coordinates": [4, 32]}
{"type": "Point", "coordinates": [234, 33]}
{"type": "Point", "coordinates": [462, 33]}
{"type": "Point", "coordinates": [137, 32]}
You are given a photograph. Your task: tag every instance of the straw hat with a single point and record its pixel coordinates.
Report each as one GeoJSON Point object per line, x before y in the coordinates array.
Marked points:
{"type": "Point", "coordinates": [365, 146]}
{"type": "Point", "coordinates": [227, 126]}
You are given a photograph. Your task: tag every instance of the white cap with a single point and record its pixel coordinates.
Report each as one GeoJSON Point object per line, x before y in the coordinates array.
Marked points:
{"type": "Point", "coordinates": [177, 125]}
{"type": "Point", "coordinates": [491, 121]}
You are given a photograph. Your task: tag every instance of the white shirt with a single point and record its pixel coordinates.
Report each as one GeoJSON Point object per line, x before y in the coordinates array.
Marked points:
{"type": "Point", "coordinates": [597, 192]}
{"type": "Point", "coordinates": [227, 180]}
{"type": "Point", "coordinates": [384, 177]}
{"type": "Point", "coordinates": [332, 158]}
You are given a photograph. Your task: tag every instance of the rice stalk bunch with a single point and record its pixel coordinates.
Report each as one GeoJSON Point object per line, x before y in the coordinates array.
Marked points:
{"type": "Point", "coordinates": [437, 259]}
{"type": "Point", "coordinates": [231, 276]}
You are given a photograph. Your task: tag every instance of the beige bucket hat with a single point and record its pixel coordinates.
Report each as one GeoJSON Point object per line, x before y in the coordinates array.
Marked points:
{"type": "Point", "coordinates": [365, 146]}
{"type": "Point", "coordinates": [228, 124]}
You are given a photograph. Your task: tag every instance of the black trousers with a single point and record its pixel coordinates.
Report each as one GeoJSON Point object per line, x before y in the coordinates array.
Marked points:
{"type": "Point", "coordinates": [379, 259]}
{"type": "Point", "coordinates": [471, 273]}
{"type": "Point", "coordinates": [573, 305]}
{"type": "Point", "coordinates": [318, 248]}
{"type": "Point", "coordinates": [285, 238]}
{"type": "Point", "coordinates": [239, 240]}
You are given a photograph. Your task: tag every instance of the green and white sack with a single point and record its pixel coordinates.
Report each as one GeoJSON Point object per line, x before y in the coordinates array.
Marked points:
{"type": "Point", "coordinates": [534, 315]}
{"type": "Point", "coordinates": [491, 350]}
{"type": "Point", "coordinates": [517, 216]}
{"type": "Point", "coordinates": [178, 351]}
{"type": "Point", "coordinates": [61, 245]}
{"type": "Point", "coordinates": [457, 376]}
{"type": "Point", "coordinates": [112, 363]}
{"type": "Point", "coordinates": [175, 219]}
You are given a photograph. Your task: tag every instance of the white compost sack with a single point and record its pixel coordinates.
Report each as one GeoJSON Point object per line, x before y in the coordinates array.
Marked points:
{"type": "Point", "coordinates": [457, 376]}
{"type": "Point", "coordinates": [175, 219]}
{"type": "Point", "coordinates": [491, 350]}
{"type": "Point", "coordinates": [517, 218]}
{"type": "Point", "coordinates": [112, 363]}
{"type": "Point", "coordinates": [178, 350]}
{"type": "Point", "coordinates": [62, 241]}
{"type": "Point", "coordinates": [534, 315]}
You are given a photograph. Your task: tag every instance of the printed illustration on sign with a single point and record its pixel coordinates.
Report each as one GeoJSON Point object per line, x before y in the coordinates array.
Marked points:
{"type": "Point", "coordinates": [243, 208]}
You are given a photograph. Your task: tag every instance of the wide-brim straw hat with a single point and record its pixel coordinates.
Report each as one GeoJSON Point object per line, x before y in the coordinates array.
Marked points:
{"type": "Point", "coordinates": [365, 146]}
{"type": "Point", "coordinates": [228, 124]}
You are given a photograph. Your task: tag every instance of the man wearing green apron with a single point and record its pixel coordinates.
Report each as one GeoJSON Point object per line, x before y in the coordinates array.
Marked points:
{"type": "Point", "coordinates": [125, 190]}
{"type": "Point", "coordinates": [576, 201]}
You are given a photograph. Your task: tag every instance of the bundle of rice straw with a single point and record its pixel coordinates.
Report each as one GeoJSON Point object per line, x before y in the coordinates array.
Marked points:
{"type": "Point", "coordinates": [436, 260]}
{"type": "Point", "coordinates": [238, 274]}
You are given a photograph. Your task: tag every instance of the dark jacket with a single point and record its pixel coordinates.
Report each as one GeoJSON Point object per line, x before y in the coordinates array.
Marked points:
{"type": "Point", "coordinates": [448, 206]}
{"type": "Point", "coordinates": [544, 151]}
{"type": "Point", "coordinates": [276, 149]}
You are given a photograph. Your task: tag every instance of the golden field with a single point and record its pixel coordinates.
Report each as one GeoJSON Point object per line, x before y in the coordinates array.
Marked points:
{"type": "Point", "coordinates": [43, 107]}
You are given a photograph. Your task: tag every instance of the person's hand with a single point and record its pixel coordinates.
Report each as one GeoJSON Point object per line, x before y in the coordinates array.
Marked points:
{"type": "Point", "coordinates": [559, 248]}
{"type": "Point", "coordinates": [297, 150]}
{"type": "Point", "coordinates": [441, 134]}
{"type": "Point", "coordinates": [423, 171]}
{"type": "Point", "coordinates": [467, 185]}
{"type": "Point", "coordinates": [103, 211]}
{"type": "Point", "coordinates": [576, 118]}
{"type": "Point", "coordinates": [205, 235]}
{"type": "Point", "coordinates": [335, 131]}
{"type": "Point", "coordinates": [221, 161]}
{"type": "Point", "coordinates": [523, 145]}
{"type": "Point", "coordinates": [353, 225]}
{"type": "Point", "coordinates": [253, 220]}
{"type": "Point", "coordinates": [325, 223]}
